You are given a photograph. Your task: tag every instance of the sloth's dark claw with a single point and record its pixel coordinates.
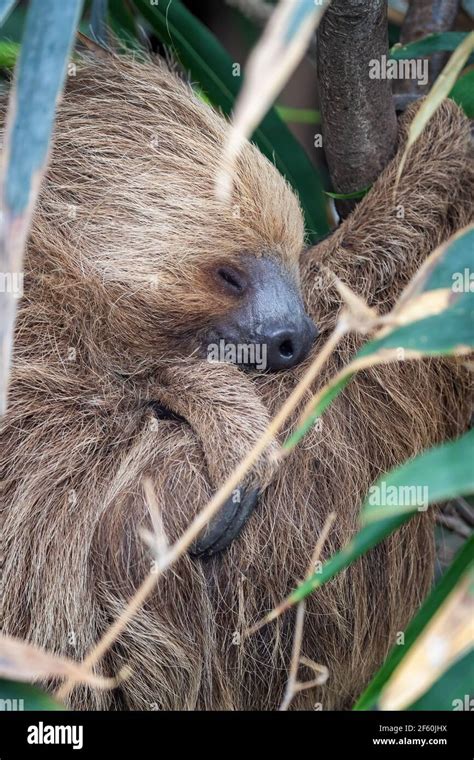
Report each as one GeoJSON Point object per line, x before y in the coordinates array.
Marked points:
{"type": "Point", "coordinates": [226, 525]}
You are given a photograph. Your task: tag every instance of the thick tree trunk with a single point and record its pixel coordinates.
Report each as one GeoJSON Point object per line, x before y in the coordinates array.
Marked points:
{"type": "Point", "coordinates": [358, 114]}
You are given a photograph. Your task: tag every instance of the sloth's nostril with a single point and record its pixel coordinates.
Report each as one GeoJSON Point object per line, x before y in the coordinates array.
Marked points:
{"type": "Point", "coordinates": [286, 349]}
{"type": "Point", "coordinates": [232, 279]}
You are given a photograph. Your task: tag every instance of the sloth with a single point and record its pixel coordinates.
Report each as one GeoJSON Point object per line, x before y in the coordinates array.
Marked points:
{"type": "Point", "coordinates": [133, 269]}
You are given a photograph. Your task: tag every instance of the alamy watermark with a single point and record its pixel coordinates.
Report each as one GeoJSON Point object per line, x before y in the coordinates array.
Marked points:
{"type": "Point", "coordinates": [463, 282]}
{"type": "Point", "coordinates": [12, 282]}
{"type": "Point", "coordinates": [251, 354]}
{"type": "Point", "coordinates": [399, 496]}
{"type": "Point", "coordinates": [389, 68]}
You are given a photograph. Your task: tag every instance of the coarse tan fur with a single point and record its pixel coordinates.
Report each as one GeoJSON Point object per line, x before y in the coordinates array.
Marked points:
{"type": "Point", "coordinates": [117, 289]}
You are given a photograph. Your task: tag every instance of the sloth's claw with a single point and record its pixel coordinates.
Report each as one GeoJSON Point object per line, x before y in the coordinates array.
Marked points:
{"type": "Point", "coordinates": [226, 525]}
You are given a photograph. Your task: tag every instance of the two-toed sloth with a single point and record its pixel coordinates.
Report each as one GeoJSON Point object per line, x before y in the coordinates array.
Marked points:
{"type": "Point", "coordinates": [133, 268]}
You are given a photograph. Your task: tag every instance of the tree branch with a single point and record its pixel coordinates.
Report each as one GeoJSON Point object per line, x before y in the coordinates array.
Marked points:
{"type": "Point", "coordinates": [427, 17]}
{"type": "Point", "coordinates": [358, 113]}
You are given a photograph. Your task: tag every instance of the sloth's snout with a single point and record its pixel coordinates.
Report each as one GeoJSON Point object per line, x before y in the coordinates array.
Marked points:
{"type": "Point", "coordinates": [268, 329]}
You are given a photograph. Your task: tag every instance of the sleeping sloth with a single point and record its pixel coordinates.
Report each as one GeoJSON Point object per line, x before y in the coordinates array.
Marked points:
{"type": "Point", "coordinates": [133, 270]}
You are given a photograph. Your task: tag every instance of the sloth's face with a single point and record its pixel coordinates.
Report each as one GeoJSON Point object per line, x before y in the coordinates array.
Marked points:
{"type": "Point", "coordinates": [265, 325]}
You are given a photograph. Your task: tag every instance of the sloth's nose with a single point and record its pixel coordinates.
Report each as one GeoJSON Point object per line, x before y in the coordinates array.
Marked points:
{"type": "Point", "coordinates": [289, 346]}
{"type": "Point", "coordinates": [268, 328]}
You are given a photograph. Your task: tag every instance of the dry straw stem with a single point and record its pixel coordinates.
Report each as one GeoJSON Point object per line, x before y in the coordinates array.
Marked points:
{"type": "Point", "coordinates": [446, 638]}
{"type": "Point", "coordinates": [293, 687]}
{"type": "Point", "coordinates": [22, 661]}
{"type": "Point", "coordinates": [201, 520]}
{"type": "Point", "coordinates": [440, 90]}
{"type": "Point", "coordinates": [270, 64]}
{"type": "Point", "coordinates": [157, 540]}
{"type": "Point", "coordinates": [257, 11]}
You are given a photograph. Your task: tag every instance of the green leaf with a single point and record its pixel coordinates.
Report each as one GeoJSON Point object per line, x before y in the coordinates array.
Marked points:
{"type": "Point", "coordinates": [39, 76]}
{"type": "Point", "coordinates": [446, 333]}
{"type": "Point", "coordinates": [6, 7]}
{"type": "Point", "coordinates": [123, 25]}
{"type": "Point", "coordinates": [48, 34]}
{"type": "Point", "coordinates": [13, 23]}
{"type": "Point", "coordinates": [461, 563]}
{"type": "Point", "coordinates": [23, 696]}
{"type": "Point", "coordinates": [443, 473]}
{"type": "Point", "coordinates": [434, 470]}
{"type": "Point", "coordinates": [432, 43]}
{"type": "Point", "coordinates": [450, 269]}
{"type": "Point", "coordinates": [199, 52]}
{"type": "Point", "coordinates": [350, 196]}
{"type": "Point", "coordinates": [453, 691]}
{"type": "Point", "coordinates": [299, 115]}
{"type": "Point", "coordinates": [463, 93]}
{"type": "Point", "coordinates": [457, 258]}
{"type": "Point", "coordinates": [98, 21]}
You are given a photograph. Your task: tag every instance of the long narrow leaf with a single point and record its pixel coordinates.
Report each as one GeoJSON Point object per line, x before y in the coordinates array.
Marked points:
{"type": "Point", "coordinates": [440, 289]}
{"type": "Point", "coordinates": [447, 637]}
{"type": "Point", "coordinates": [47, 40]}
{"type": "Point", "coordinates": [462, 561]}
{"type": "Point", "coordinates": [432, 43]}
{"type": "Point", "coordinates": [6, 6]}
{"type": "Point", "coordinates": [433, 469]}
{"type": "Point", "coordinates": [463, 93]}
{"type": "Point", "coordinates": [16, 696]}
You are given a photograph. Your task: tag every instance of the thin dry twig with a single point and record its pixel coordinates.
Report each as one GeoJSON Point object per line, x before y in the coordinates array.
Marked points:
{"type": "Point", "coordinates": [156, 540]}
{"type": "Point", "coordinates": [293, 687]}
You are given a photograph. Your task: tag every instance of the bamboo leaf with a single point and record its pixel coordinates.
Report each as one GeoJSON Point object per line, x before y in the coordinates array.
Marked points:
{"type": "Point", "coordinates": [6, 7]}
{"type": "Point", "coordinates": [446, 638]}
{"type": "Point", "coordinates": [463, 93]}
{"type": "Point", "coordinates": [461, 563]}
{"type": "Point", "coordinates": [433, 316]}
{"type": "Point", "coordinates": [432, 43]}
{"type": "Point", "coordinates": [298, 115]}
{"type": "Point", "coordinates": [453, 691]}
{"type": "Point", "coordinates": [448, 332]}
{"type": "Point", "coordinates": [47, 40]}
{"type": "Point", "coordinates": [349, 196]}
{"type": "Point", "coordinates": [98, 21]}
{"type": "Point", "coordinates": [16, 696]}
{"type": "Point", "coordinates": [445, 471]}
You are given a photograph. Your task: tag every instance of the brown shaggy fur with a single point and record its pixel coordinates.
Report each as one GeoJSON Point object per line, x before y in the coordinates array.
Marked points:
{"type": "Point", "coordinates": [117, 289]}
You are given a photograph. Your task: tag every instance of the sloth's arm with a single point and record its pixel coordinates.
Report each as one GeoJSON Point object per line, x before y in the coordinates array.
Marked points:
{"type": "Point", "coordinates": [379, 247]}
{"type": "Point", "coordinates": [222, 407]}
